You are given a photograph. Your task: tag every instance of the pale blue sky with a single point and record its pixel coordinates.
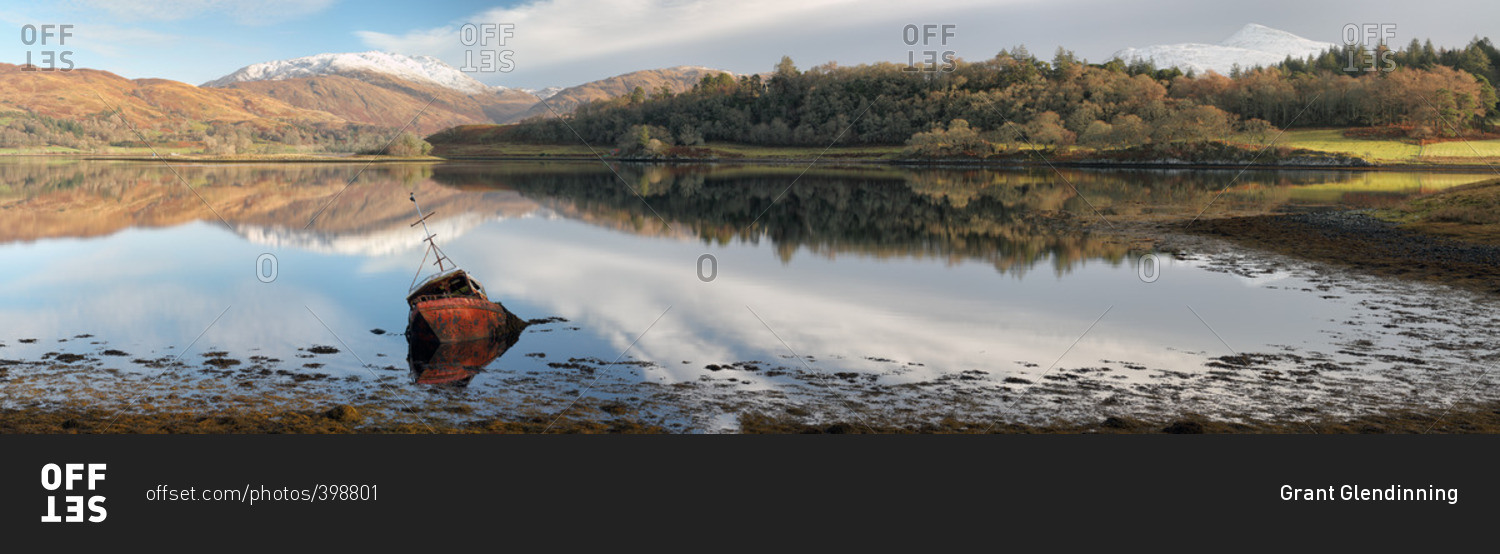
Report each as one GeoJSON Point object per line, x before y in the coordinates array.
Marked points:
{"type": "Point", "coordinates": [566, 42]}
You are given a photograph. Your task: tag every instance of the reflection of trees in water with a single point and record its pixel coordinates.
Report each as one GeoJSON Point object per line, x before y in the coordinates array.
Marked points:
{"type": "Point", "coordinates": [951, 215]}
{"type": "Point", "coordinates": [946, 213]}
{"type": "Point", "coordinates": [1114, 191]}
{"type": "Point", "coordinates": [1130, 192]}
{"type": "Point", "coordinates": [1006, 217]}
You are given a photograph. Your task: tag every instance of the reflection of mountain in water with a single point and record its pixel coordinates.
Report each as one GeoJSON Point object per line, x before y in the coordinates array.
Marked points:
{"type": "Point", "coordinates": [376, 242]}
{"type": "Point", "coordinates": [267, 203]}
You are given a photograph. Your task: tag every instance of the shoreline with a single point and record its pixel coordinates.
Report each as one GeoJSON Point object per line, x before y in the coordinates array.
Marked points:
{"type": "Point", "coordinates": [1481, 418]}
{"type": "Point", "coordinates": [349, 158]}
{"type": "Point", "coordinates": [813, 161]}
{"type": "Point", "coordinates": [1357, 240]}
{"type": "Point", "coordinates": [981, 164]}
{"type": "Point", "coordinates": [320, 411]}
{"type": "Point", "coordinates": [1376, 242]}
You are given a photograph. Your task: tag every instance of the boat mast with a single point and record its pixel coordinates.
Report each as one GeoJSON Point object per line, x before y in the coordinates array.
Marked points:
{"type": "Point", "coordinates": [432, 247]}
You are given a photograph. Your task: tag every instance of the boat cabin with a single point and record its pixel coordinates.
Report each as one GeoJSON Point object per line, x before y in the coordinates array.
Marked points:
{"type": "Point", "coordinates": [448, 284]}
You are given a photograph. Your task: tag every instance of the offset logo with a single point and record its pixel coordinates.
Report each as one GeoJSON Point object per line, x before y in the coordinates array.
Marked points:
{"type": "Point", "coordinates": [1369, 60]}
{"type": "Point", "coordinates": [490, 37]}
{"type": "Point", "coordinates": [77, 508]}
{"type": "Point", "coordinates": [930, 37]}
{"type": "Point", "coordinates": [50, 36]}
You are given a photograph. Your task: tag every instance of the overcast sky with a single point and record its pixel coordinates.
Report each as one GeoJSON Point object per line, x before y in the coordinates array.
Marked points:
{"type": "Point", "coordinates": [567, 42]}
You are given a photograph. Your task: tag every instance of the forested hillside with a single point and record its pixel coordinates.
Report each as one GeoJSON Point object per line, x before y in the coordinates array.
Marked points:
{"type": "Point", "coordinates": [1016, 98]}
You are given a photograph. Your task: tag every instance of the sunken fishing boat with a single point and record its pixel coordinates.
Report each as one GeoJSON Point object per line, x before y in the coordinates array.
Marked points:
{"type": "Point", "coordinates": [451, 305]}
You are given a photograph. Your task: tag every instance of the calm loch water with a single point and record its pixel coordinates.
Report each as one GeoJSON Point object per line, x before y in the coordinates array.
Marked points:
{"type": "Point", "coordinates": [693, 294]}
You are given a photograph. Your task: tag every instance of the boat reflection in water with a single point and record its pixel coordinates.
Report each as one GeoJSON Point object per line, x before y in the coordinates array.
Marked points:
{"type": "Point", "coordinates": [454, 363]}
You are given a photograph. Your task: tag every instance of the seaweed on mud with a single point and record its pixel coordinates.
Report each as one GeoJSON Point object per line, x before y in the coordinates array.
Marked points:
{"type": "Point", "coordinates": [571, 365]}
{"type": "Point", "coordinates": [1240, 361]}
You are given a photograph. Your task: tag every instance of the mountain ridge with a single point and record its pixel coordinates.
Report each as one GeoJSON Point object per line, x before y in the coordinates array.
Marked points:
{"type": "Point", "coordinates": [677, 79]}
{"type": "Point", "coordinates": [382, 88]}
{"type": "Point", "coordinates": [381, 99]}
{"type": "Point", "coordinates": [84, 94]}
{"type": "Point", "coordinates": [425, 69]}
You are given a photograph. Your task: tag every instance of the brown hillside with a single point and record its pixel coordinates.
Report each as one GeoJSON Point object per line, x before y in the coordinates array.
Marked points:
{"type": "Point", "coordinates": [378, 99]}
{"type": "Point", "coordinates": [146, 103]}
{"type": "Point", "coordinates": [355, 97]}
{"type": "Point", "coordinates": [678, 79]}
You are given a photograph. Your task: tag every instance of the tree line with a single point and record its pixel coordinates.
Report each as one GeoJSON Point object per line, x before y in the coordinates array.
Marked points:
{"type": "Point", "coordinates": [1017, 99]}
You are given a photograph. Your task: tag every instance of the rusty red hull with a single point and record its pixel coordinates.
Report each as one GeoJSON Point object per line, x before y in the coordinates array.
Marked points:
{"type": "Point", "coordinates": [444, 363]}
{"type": "Point", "coordinates": [445, 375]}
{"type": "Point", "coordinates": [455, 319]}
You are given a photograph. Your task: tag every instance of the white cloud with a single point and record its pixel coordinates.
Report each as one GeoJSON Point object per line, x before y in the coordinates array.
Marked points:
{"type": "Point", "coordinates": [112, 41]}
{"type": "Point", "coordinates": [548, 33]}
{"type": "Point", "coordinates": [100, 38]}
{"type": "Point", "coordinates": [249, 12]}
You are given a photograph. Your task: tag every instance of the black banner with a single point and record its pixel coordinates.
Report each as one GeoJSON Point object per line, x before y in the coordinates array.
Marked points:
{"type": "Point", "coordinates": [369, 490]}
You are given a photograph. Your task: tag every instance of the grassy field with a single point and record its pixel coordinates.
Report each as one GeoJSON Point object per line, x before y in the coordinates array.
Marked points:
{"type": "Point", "coordinates": [1393, 151]}
{"type": "Point", "coordinates": [262, 152]}
{"type": "Point", "coordinates": [43, 150]}
{"type": "Point", "coordinates": [267, 158]}
{"type": "Point", "coordinates": [137, 151]}
{"type": "Point", "coordinates": [1470, 213]}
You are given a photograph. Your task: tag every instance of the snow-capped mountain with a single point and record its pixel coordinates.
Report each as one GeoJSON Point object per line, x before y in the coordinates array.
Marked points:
{"type": "Point", "coordinates": [543, 93]}
{"type": "Point", "coordinates": [1252, 45]}
{"type": "Point", "coordinates": [415, 68]}
{"type": "Point", "coordinates": [383, 242]}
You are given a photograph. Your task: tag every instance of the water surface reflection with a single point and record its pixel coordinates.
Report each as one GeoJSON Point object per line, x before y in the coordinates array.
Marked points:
{"type": "Point", "coordinates": [903, 291]}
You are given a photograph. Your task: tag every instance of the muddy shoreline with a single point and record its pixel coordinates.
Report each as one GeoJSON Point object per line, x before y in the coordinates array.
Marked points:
{"type": "Point", "coordinates": [344, 419]}
{"type": "Point", "coordinates": [1467, 419]}
{"type": "Point", "coordinates": [1271, 391]}
{"type": "Point", "coordinates": [1358, 240]}
{"type": "Point", "coordinates": [822, 160]}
